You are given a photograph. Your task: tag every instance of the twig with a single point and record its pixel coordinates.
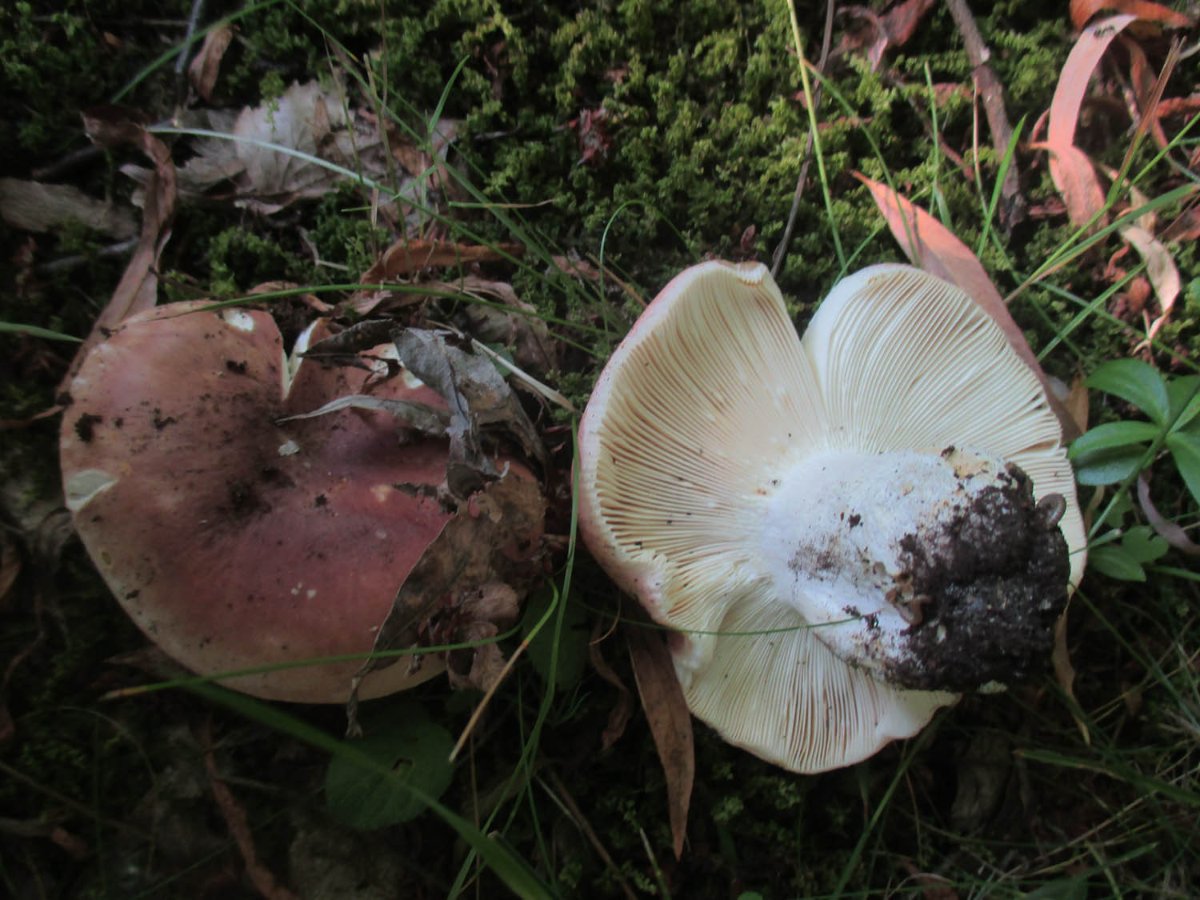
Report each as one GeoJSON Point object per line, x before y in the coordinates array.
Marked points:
{"type": "Point", "coordinates": [583, 825]}
{"type": "Point", "coordinates": [1012, 210]}
{"type": "Point", "coordinates": [781, 250]}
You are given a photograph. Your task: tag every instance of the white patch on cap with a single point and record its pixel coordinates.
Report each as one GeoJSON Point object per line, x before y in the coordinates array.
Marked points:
{"type": "Point", "coordinates": [289, 448]}
{"type": "Point", "coordinates": [82, 486]}
{"type": "Point", "coordinates": [242, 321]}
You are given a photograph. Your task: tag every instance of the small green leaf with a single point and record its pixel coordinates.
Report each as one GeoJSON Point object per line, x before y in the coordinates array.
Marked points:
{"type": "Point", "coordinates": [416, 750]}
{"type": "Point", "coordinates": [1184, 393]}
{"type": "Point", "coordinates": [1185, 450]}
{"type": "Point", "coordinates": [1142, 544]}
{"type": "Point", "coordinates": [1108, 466]}
{"type": "Point", "coordinates": [1113, 434]}
{"type": "Point", "coordinates": [1136, 382]}
{"type": "Point", "coordinates": [1113, 561]}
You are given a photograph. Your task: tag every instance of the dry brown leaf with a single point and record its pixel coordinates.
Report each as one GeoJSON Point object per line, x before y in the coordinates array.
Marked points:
{"type": "Point", "coordinates": [1161, 269]}
{"type": "Point", "coordinates": [33, 206]}
{"type": "Point", "coordinates": [670, 723]}
{"type": "Point", "coordinates": [110, 127]}
{"type": "Point", "coordinates": [931, 246]}
{"type": "Point", "coordinates": [410, 256]}
{"type": "Point", "coordinates": [1077, 402]}
{"type": "Point", "coordinates": [618, 717]}
{"type": "Point", "coordinates": [1070, 167]}
{"type": "Point", "coordinates": [207, 64]}
{"type": "Point", "coordinates": [1064, 672]}
{"type": "Point", "coordinates": [1083, 10]}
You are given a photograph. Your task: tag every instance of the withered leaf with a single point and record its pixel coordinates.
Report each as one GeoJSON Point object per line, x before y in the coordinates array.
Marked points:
{"type": "Point", "coordinates": [207, 63]}
{"type": "Point", "coordinates": [478, 566]}
{"type": "Point", "coordinates": [670, 723]}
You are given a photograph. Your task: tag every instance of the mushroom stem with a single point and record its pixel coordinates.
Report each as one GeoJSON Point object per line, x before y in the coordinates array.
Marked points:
{"type": "Point", "coordinates": [934, 571]}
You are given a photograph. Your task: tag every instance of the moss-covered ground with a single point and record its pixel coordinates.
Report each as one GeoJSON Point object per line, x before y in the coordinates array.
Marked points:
{"type": "Point", "coordinates": [650, 134]}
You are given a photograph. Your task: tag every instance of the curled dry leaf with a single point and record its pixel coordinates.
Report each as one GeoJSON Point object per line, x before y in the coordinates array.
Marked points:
{"type": "Point", "coordinates": [203, 70]}
{"type": "Point", "coordinates": [1070, 168]}
{"type": "Point", "coordinates": [110, 127]}
{"type": "Point", "coordinates": [33, 206]}
{"type": "Point", "coordinates": [1163, 273]}
{"type": "Point", "coordinates": [670, 723]}
{"type": "Point", "coordinates": [1082, 12]}
{"type": "Point", "coordinates": [410, 256]}
{"type": "Point", "coordinates": [929, 244]}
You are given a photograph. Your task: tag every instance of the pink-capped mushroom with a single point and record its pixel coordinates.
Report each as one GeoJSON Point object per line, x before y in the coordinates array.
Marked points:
{"type": "Point", "coordinates": [235, 539]}
{"type": "Point", "coordinates": [845, 531]}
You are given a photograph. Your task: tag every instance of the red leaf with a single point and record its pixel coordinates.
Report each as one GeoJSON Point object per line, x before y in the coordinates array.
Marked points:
{"type": "Point", "coordinates": [1083, 10]}
{"type": "Point", "coordinates": [931, 246]}
{"type": "Point", "coordinates": [1070, 167]}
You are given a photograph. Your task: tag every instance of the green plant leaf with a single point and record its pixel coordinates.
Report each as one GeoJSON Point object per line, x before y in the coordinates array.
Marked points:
{"type": "Point", "coordinates": [1113, 434]}
{"type": "Point", "coordinates": [1143, 544]}
{"type": "Point", "coordinates": [415, 749]}
{"type": "Point", "coordinates": [1185, 450]}
{"type": "Point", "coordinates": [1136, 382]}
{"type": "Point", "coordinates": [1116, 562]}
{"type": "Point", "coordinates": [1108, 466]}
{"type": "Point", "coordinates": [1184, 393]}
{"type": "Point", "coordinates": [572, 643]}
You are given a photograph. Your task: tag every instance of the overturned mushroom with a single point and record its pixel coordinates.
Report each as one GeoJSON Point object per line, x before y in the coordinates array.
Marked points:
{"type": "Point", "coordinates": [844, 531]}
{"type": "Point", "coordinates": [236, 539]}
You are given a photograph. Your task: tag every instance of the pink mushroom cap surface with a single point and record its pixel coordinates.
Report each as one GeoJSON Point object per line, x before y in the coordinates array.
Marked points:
{"type": "Point", "coordinates": [235, 540]}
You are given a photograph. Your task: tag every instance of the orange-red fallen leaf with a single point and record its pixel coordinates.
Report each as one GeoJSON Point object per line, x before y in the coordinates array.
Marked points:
{"type": "Point", "coordinates": [407, 257]}
{"type": "Point", "coordinates": [901, 21]}
{"type": "Point", "coordinates": [931, 246]}
{"type": "Point", "coordinates": [1161, 270]}
{"type": "Point", "coordinates": [1070, 168]}
{"type": "Point", "coordinates": [1083, 10]}
{"type": "Point", "coordinates": [204, 68]}
{"type": "Point", "coordinates": [670, 723]}
{"type": "Point", "coordinates": [261, 877]}
{"type": "Point", "coordinates": [1145, 88]}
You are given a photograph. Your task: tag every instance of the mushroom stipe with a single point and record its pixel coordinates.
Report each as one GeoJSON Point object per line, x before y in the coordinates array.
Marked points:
{"type": "Point", "coordinates": [844, 531]}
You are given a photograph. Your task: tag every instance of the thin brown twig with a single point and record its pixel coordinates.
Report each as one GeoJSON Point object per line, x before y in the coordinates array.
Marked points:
{"type": "Point", "coordinates": [781, 250]}
{"type": "Point", "coordinates": [583, 825]}
{"type": "Point", "coordinates": [1012, 207]}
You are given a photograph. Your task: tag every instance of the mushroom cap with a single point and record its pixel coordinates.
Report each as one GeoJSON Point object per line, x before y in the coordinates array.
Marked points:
{"type": "Point", "coordinates": [233, 540]}
{"type": "Point", "coordinates": [701, 410]}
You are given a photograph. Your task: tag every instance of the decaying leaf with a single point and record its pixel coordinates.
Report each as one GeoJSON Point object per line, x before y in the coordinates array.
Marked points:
{"type": "Point", "coordinates": [478, 397]}
{"type": "Point", "coordinates": [111, 126]}
{"type": "Point", "coordinates": [622, 711]}
{"type": "Point", "coordinates": [33, 206]}
{"type": "Point", "coordinates": [1163, 273]}
{"type": "Point", "coordinates": [1064, 671]}
{"type": "Point", "coordinates": [207, 63]}
{"type": "Point", "coordinates": [1172, 533]}
{"type": "Point", "coordinates": [1070, 168]}
{"type": "Point", "coordinates": [521, 331]}
{"type": "Point", "coordinates": [409, 256]}
{"type": "Point", "coordinates": [929, 244]}
{"type": "Point", "coordinates": [472, 574]}
{"type": "Point", "coordinates": [892, 28]}
{"type": "Point", "coordinates": [310, 125]}
{"type": "Point", "coordinates": [670, 723]}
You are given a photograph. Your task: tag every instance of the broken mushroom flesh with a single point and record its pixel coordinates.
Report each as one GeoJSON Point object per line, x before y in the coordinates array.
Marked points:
{"type": "Point", "coordinates": [234, 537]}
{"type": "Point", "coordinates": [845, 530]}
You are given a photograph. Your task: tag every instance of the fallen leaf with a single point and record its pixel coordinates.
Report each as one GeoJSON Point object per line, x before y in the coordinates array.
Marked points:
{"type": "Point", "coordinates": [33, 206]}
{"type": "Point", "coordinates": [901, 21]}
{"type": "Point", "coordinates": [207, 63]}
{"type": "Point", "coordinates": [465, 574]}
{"type": "Point", "coordinates": [1161, 269]}
{"type": "Point", "coordinates": [1070, 167]}
{"type": "Point", "coordinates": [622, 711]}
{"type": "Point", "coordinates": [670, 722]}
{"type": "Point", "coordinates": [931, 246]}
{"type": "Point", "coordinates": [521, 332]}
{"type": "Point", "coordinates": [1083, 10]}
{"type": "Point", "coordinates": [110, 127]}
{"type": "Point", "coordinates": [1166, 529]}
{"type": "Point", "coordinates": [592, 131]}
{"type": "Point", "coordinates": [410, 256]}
{"type": "Point", "coordinates": [1064, 672]}
{"type": "Point", "coordinates": [1077, 402]}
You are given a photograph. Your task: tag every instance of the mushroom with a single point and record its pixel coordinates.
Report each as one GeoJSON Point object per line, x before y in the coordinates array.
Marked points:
{"type": "Point", "coordinates": [843, 532]}
{"type": "Point", "coordinates": [235, 540]}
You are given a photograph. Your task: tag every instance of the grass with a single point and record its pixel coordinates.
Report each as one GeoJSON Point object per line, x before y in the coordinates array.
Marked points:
{"type": "Point", "coordinates": [1000, 797]}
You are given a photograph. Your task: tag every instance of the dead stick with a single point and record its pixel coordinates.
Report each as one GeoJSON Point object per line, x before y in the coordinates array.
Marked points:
{"type": "Point", "coordinates": [781, 249]}
{"type": "Point", "coordinates": [1012, 210]}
